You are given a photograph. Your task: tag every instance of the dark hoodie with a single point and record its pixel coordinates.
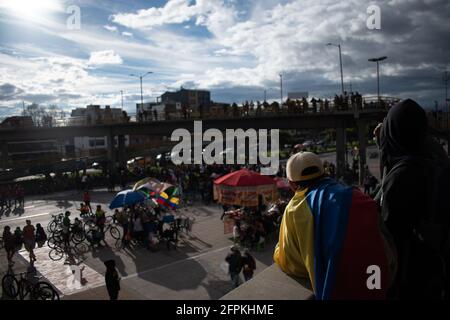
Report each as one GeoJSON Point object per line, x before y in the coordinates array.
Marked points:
{"type": "Point", "coordinates": [404, 144]}
{"type": "Point", "coordinates": [112, 279]}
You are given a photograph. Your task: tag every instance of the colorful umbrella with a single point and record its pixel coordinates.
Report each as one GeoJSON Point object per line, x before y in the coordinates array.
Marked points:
{"type": "Point", "coordinates": [244, 188]}
{"type": "Point", "coordinates": [151, 184]}
{"type": "Point", "coordinates": [125, 198]}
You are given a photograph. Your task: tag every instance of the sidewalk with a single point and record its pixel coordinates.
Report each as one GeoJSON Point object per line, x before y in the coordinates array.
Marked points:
{"type": "Point", "coordinates": [100, 293]}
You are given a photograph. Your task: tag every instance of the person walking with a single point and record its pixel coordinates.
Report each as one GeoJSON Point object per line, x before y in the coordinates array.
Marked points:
{"type": "Point", "coordinates": [249, 265]}
{"type": "Point", "coordinates": [234, 260]}
{"type": "Point", "coordinates": [29, 239]}
{"type": "Point", "coordinates": [9, 244]}
{"type": "Point", "coordinates": [87, 200]}
{"type": "Point", "coordinates": [112, 280]}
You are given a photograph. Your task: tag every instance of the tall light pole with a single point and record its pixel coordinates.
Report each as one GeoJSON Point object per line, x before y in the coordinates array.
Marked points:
{"type": "Point", "coordinates": [446, 97]}
{"type": "Point", "coordinates": [140, 78]}
{"type": "Point", "coordinates": [121, 94]}
{"type": "Point", "coordinates": [340, 63]}
{"type": "Point", "coordinates": [377, 60]}
{"type": "Point", "coordinates": [281, 89]}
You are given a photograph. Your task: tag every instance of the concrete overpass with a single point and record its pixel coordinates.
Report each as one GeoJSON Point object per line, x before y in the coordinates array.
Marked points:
{"type": "Point", "coordinates": [339, 120]}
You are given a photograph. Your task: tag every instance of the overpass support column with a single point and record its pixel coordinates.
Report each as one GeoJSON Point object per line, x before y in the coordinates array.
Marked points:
{"type": "Point", "coordinates": [340, 151]}
{"type": "Point", "coordinates": [111, 153]}
{"type": "Point", "coordinates": [362, 130]}
{"type": "Point", "coordinates": [448, 143]}
{"type": "Point", "coordinates": [121, 151]}
{"type": "Point", "coordinates": [5, 155]}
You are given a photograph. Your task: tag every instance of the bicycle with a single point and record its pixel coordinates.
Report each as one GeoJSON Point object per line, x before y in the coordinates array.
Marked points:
{"type": "Point", "coordinates": [109, 226]}
{"type": "Point", "coordinates": [23, 287]}
{"type": "Point", "coordinates": [55, 223]}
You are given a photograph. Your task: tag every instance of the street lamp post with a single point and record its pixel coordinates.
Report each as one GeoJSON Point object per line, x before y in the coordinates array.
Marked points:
{"type": "Point", "coordinates": [281, 89]}
{"type": "Point", "coordinates": [140, 78]}
{"type": "Point", "coordinates": [121, 94]}
{"type": "Point", "coordinates": [377, 60]}
{"type": "Point", "coordinates": [340, 63]}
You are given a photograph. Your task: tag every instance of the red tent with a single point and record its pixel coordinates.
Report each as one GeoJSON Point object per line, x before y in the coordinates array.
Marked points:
{"type": "Point", "coordinates": [244, 178]}
{"type": "Point", "coordinates": [243, 188]}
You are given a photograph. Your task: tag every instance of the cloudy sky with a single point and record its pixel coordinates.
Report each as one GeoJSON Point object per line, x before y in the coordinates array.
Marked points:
{"type": "Point", "coordinates": [235, 48]}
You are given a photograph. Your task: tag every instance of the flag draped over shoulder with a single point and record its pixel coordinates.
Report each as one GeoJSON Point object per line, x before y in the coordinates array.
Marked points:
{"type": "Point", "coordinates": [331, 234]}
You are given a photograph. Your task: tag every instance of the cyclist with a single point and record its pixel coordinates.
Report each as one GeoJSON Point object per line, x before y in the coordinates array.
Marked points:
{"type": "Point", "coordinates": [100, 218]}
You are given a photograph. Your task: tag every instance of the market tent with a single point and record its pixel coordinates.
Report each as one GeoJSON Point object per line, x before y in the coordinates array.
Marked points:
{"type": "Point", "coordinates": [245, 188]}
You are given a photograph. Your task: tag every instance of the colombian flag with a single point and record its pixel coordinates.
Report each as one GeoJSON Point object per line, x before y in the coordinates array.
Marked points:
{"type": "Point", "coordinates": [171, 202]}
{"type": "Point", "coordinates": [330, 234]}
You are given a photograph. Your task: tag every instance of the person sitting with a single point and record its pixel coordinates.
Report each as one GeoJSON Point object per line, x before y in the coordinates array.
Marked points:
{"type": "Point", "coordinates": [94, 236]}
{"type": "Point", "coordinates": [84, 210]}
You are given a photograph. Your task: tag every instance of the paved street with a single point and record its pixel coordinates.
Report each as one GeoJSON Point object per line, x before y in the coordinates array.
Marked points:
{"type": "Point", "coordinates": [193, 271]}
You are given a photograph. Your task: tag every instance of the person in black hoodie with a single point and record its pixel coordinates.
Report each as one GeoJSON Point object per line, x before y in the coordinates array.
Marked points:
{"type": "Point", "coordinates": [405, 144]}
{"type": "Point", "coordinates": [112, 280]}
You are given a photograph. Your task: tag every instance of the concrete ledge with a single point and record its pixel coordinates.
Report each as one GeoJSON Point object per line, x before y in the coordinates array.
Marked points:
{"type": "Point", "coordinates": [272, 284]}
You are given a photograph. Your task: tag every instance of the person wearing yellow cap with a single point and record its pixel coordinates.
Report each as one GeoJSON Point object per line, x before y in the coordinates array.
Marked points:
{"type": "Point", "coordinates": [330, 235]}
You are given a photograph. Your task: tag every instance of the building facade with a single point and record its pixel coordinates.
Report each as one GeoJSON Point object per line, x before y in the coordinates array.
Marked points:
{"type": "Point", "coordinates": [189, 98]}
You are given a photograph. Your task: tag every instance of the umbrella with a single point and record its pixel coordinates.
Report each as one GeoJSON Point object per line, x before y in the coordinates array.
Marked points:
{"type": "Point", "coordinates": [151, 184]}
{"type": "Point", "coordinates": [244, 187]}
{"type": "Point", "coordinates": [126, 197]}
{"type": "Point", "coordinates": [282, 183]}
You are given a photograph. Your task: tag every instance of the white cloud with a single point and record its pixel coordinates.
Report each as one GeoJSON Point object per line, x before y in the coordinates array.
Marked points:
{"type": "Point", "coordinates": [127, 34]}
{"type": "Point", "coordinates": [104, 57]}
{"type": "Point", "coordinates": [110, 28]}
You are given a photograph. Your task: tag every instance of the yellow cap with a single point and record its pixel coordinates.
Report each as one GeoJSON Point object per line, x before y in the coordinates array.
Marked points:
{"type": "Point", "coordinates": [304, 166]}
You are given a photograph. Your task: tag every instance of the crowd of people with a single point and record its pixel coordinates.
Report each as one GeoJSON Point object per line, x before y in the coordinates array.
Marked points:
{"type": "Point", "coordinates": [27, 237]}
{"type": "Point", "coordinates": [238, 263]}
{"type": "Point", "coordinates": [11, 196]}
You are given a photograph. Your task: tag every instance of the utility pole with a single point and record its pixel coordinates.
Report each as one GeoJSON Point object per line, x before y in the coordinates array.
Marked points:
{"type": "Point", "coordinates": [377, 60]}
{"type": "Point", "coordinates": [340, 64]}
{"type": "Point", "coordinates": [140, 78]}
{"type": "Point", "coordinates": [265, 95]}
{"type": "Point", "coordinates": [281, 89]}
{"type": "Point", "coordinates": [121, 93]}
{"type": "Point", "coordinates": [446, 97]}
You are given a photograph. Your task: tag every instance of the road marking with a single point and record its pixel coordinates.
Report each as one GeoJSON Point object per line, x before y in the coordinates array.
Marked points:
{"type": "Point", "coordinates": [25, 217]}
{"type": "Point", "coordinates": [28, 207]}
{"type": "Point", "coordinates": [175, 263]}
